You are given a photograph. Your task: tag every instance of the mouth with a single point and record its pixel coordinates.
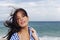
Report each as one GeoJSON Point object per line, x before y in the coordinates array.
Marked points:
{"type": "Point", "coordinates": [22, 22]}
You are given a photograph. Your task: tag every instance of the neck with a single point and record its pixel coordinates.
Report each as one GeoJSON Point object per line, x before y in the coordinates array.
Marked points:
{"type": "Point", "coordinates": [24, 29]}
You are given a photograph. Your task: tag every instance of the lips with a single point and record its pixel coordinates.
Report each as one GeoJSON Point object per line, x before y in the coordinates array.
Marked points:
{"type": "Point", "coordinates": [22, 22]}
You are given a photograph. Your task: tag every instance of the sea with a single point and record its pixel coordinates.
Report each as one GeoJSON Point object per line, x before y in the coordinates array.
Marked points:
{"type": "Point", "coordinates": [46, 30]}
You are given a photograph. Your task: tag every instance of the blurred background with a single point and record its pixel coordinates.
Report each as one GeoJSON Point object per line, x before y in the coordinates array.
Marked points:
{"type": "Point", "coordinates": [44, 16]}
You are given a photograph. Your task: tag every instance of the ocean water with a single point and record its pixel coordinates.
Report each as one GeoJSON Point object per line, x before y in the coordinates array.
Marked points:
{"type": "Point", "coordinates": [46, 30]}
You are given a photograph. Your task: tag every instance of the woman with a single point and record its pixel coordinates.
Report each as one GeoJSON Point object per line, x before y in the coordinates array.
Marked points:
{"type": "Point", "coordinates": [19, 29]}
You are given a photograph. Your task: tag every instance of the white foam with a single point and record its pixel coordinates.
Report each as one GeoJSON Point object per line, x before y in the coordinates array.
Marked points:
{"type": "Point", "coordinates": [1, 38]}
{"type": "Point", "coordinates": [49, 38]}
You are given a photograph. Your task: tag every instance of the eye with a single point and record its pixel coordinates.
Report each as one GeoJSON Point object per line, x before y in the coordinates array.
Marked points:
{"type": "Point", "coordinates": [23, 15]}
{"type": "Point", "coordinates": [18, 18]}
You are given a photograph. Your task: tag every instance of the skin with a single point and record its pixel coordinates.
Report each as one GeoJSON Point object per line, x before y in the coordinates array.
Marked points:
{"type": "Point", "coordinates": [23, 22]}
{"type": "Point", "coordinates": [34, 34]}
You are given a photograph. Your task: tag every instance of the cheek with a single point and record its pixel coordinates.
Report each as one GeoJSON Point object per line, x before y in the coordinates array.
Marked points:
{"type": "Point", "coordinates": [18, 21]}
{"type": "Point", "coordinates": [26, 19]}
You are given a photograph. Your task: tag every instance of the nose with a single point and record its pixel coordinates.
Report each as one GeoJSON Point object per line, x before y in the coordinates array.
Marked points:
{"type": "Point", "coordinates": [21, 19]}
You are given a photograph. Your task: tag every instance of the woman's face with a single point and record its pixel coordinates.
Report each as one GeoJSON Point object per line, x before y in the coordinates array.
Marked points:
{"type": "Point", "coordinates": [22, 20]}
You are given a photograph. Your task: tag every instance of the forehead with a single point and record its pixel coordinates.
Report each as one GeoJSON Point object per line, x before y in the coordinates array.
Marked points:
{"type": "Point", "coordinates": [20, 13]}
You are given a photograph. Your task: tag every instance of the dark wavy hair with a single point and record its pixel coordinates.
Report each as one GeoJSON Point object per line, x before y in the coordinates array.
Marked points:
{"type": "Point", "coordinates": [12, 23]}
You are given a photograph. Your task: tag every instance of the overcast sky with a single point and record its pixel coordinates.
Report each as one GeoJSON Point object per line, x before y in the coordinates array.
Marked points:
{"type": "Point", "coordinates": [38, 10]}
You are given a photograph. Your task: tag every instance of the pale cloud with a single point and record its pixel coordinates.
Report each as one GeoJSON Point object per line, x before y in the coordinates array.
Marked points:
{"type": "Point", "coordinates": [46, 10]}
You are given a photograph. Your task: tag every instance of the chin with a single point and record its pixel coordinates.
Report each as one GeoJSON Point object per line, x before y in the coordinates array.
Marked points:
{"type": "Point", "coordinates": [23, 25]}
